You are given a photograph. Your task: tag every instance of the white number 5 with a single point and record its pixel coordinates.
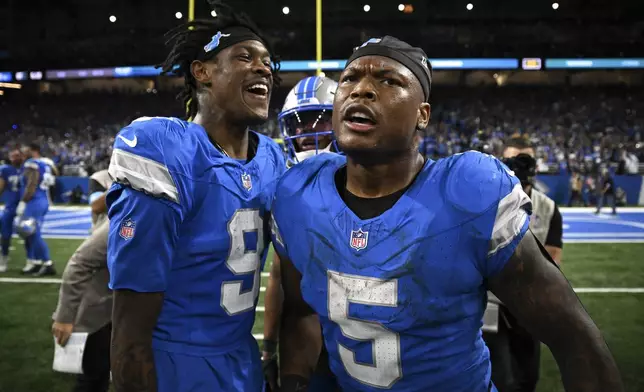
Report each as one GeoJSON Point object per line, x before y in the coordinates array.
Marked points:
{"type": "Point", "coordinates": [344, 289]}
{"type": "Point", "coordinates": [241, 261]}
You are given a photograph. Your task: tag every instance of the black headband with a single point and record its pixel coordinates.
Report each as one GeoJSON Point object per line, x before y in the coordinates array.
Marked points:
{"type": "Point", "coordinates": [413, 58]}
{"type": "Point", "coordinates": [226, 38]}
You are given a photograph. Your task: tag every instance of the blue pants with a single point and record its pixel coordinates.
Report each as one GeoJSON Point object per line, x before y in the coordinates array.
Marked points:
{"type": "Point", "coordinates": [35, 245]}
{"type": "Point", "coordinates": [239, 370]}
{"type": "Point", "coordinates": [6, 229]}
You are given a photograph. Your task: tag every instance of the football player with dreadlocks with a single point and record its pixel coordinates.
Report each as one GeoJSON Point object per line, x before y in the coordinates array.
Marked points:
{"type": "Point", "coordinates": [305, 123]}
{"type": "Point", "coordinates": [189, 217]}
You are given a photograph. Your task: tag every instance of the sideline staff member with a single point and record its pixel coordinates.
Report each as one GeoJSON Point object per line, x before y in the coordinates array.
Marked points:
{"type": "Point", "coordinates": [514, 353]}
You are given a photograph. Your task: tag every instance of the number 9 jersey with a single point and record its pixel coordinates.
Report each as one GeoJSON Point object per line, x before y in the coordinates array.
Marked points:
{"type": "Point", "coordinates": [193, 223]}
{"type": "Point", "coordinates": [401, 296]}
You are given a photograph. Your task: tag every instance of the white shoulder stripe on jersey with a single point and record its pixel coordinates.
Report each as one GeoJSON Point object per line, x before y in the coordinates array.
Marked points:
{"type": "Point", "coordinates": [31, 165]}
{"type": "Point", "coordinates": [143, 174]}
{"type": "Point", "coordinates": [510, 217]}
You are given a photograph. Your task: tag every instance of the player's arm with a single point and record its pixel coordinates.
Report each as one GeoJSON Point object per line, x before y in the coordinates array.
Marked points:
{"type": "Point", "coordinates": [31, 184]}
{"type": "Point", "coordinates": [300, 335]}
{"type": "Point", "coordinates": [2, 183]}
{"type": "Point", "coordinates": [273, 303]}
{"type": "Point", "coordinates": [542, 300]}
{"type": "Point", "coordinates": [97, 194]}
{"type": "Point", "coordinates": [139, 266]}
{"type": "Point", "coordinates": [145, 214]}
{"type": "Point", "coordinates": [554, 240]}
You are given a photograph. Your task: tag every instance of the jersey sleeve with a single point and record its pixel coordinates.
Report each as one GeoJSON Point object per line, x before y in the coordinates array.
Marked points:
{"type": "Point", "coordinates": [149, 156]}
{"type": "Point", "coordinates": [142, 239]}
{"type": "Point", "coordinates": [500, 209]}
{"type": "Point", "coordinates": [31, 164]}
{"type": "Point", "coordinates": [148, 201]}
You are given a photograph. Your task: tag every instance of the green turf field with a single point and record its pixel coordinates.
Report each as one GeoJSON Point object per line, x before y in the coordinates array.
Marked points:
{"type": "Point", "coordinates": [26, 346]}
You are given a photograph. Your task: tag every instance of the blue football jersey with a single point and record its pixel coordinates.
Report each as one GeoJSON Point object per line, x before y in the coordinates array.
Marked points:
{"type": "Point", "coordinates": [193, 223]}
{"type": "Point", "coordinates": [45, 179]}
{"type": "Point", "coordinates": [401, 296]}
{"type": "Point", "coordinates": [12, 190]}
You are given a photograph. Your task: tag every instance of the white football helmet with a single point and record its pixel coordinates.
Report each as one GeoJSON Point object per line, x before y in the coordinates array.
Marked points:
{"type": "Point", "coordinates": [305, 119]}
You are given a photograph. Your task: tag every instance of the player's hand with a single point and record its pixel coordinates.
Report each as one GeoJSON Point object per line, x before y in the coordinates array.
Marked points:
{"type": "Point", "coordinates": [62, 332]}
{"type": "Point", "coordinates": [21, 208]}
{"type": "Point", "coordinates": [271, 370]}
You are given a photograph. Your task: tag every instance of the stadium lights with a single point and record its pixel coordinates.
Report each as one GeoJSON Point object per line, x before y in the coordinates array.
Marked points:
{"type": "Point", "coordinates": [555, 6]}
{"type": "Point", "coordinates": [366, 8]}
{"type": "Point", "coordinates": [286, 10]}
{"type": "Point", "coordinates": [213, 13]}
{"type": "Point", "coordinates": [401, 7]}
{"type": "Point", "coordinates": [112, 18]}
{"type": "Point", "coordinates": [178, 15]}
{"type": "Point", "coordinates": [469, 6]}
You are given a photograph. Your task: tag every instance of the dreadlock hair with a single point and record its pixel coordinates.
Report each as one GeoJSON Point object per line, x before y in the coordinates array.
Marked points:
{"type": "Point", "coordinates": [187, 41]}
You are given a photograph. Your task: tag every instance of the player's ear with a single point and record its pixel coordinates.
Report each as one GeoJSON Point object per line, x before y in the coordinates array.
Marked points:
{"type": "Point", "coordinates": [423, 115]}
{"type": "Point", "coordinates": [201, 72]}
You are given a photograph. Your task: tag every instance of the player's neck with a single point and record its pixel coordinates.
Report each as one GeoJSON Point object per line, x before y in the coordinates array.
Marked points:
{"type": "Point", "coordinates": [232, 139]}
{"type": "Point", "coordinates": [377, 180]}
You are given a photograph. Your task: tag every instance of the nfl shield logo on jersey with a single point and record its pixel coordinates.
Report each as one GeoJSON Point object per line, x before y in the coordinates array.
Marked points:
{"type": "Point", "coordinates": [127, 229]}
{"type": "Point", "coordinates": [246, 181]}
{"type": "Point", "coordinates": [359, 239]}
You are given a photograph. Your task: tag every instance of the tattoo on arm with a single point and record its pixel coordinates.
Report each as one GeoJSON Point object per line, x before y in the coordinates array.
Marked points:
{"type": "Point", "coordinates": [134, 316]}
{"type": "Point", "coordinates": [543, 301]}
{"type": "Point", "coordinates": [32, 176]}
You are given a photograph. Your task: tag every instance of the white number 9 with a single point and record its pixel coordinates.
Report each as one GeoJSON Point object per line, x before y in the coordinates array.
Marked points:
{"type": "Point", "coordinates": [241, 261]}
{"type": "Point", "coordinates": [344, 289]}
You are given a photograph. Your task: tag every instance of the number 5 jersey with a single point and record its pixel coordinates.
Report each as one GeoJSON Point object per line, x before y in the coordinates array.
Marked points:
{"type": "Point", "coordinates": [401, 296]}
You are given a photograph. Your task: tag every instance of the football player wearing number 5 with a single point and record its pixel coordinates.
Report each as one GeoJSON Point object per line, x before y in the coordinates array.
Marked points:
{"type": "Point", "coordinates": [10, 187]}
{"type": "Point", "coordinates": [394, 253]}
{"type": "Point", "coordinates": [31, 211]}
{"type": "Point", "coordinates": [189, 218]}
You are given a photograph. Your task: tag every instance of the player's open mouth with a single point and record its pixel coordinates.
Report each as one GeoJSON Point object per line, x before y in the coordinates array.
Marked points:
{"type": "Point", "coordinates": [258, 91]}
{"type": "Point", "coordinates": [359, 118]}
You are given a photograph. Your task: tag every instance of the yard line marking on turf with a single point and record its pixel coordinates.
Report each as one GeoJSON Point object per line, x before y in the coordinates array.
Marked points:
{"type": "Point", "coordinates": [67, 231]}
{"type": "Point", "coordinates": [606, 222]}
{"type": "Point", "coordinates": [610, 290]}
{"type": "Point", "coordinates": [636, 210]}
{"type": "Point", "coordinates": [66, 222]}
{"type": "Point", "coordinates": [30, 280]}
{"type": "Point", "coordinates": [604, 241]}
{"type": "Point", "coordinates": [72, 214]}
{"type": "Point", "coordinates": [584, 290]}
{"type": "Point", "coordinates": [265, 274]}
{"type": "Point", "coordinates": [601, 235]}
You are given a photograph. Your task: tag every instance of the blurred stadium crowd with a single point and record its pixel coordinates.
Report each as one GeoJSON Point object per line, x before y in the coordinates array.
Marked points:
{"type": "Point", "coordinates": [577, 130]}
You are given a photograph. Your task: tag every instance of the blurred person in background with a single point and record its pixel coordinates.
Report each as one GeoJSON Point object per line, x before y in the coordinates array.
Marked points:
{"type": "Point", "coordinates": [10, 187]}
{"type": "Point", "coordinates": [85, 300]}
{"type": "Point", "coordinates": [515, 354]}
{"type": "Point", "coordinates": [305, 122]}
{"type": "Point", "coordinates": [34, 151]}
{"type": "Point", "coordinates": [576, 185]}
{"type": "Point", "coordinates": [606, 190]}
{"type": "Point", "coordinates": [31, 211]}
